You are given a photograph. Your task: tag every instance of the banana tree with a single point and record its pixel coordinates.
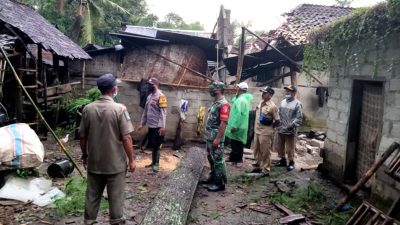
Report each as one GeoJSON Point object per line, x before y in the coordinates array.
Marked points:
{"type": "Point", "coordinates": [89, 14]}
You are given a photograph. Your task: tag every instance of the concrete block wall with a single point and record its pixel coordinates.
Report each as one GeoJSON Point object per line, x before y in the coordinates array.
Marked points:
{"type": "Point", "coordinates": [381, 64]}
{"type": "Point", "coordinates": [129, 96]}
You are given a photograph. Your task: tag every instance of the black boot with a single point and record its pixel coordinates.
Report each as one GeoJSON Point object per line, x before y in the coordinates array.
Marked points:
{"type": "Point", "coordinates": [282, 163]}
{"type": "Point", "coordinates": [209, 180]}
{"type": "Point", "coordinates": [290, 167]}
{"type": "Point", "coordinates": [219, 186]}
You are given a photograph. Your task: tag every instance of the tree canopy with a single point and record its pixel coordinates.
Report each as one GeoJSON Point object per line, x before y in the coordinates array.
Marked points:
{"type": "Point", "coordinates": [91, 21]}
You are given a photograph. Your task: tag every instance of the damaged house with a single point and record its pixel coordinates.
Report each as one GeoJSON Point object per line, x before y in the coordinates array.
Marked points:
{"type": "Point", "coordinates": [364, 105]}
{"type": "Point", "coordinates": [275, 58]}
{"type": "Point", "coordinates": [180, 59]}
{"type": "Point", "coordinates": [40, 54]}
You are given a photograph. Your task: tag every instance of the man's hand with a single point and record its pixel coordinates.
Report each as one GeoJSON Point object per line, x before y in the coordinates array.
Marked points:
{"type": "Point", "coordinates": [140, 128]}
{"type": "Point", "coordinates": [161, 131]}
{"type": "Point", "coordinates": [216, 142]}
{"type": "Point", "coordinates": [131, 166]}
{"type": "Point", "coordinates": [233, 130]}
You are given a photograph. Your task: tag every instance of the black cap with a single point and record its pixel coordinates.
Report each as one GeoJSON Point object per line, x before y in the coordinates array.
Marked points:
{"type": "Point", "coordinates": [107, 81]}
{"type": "Point", "coordinates": [291, 88]}
{"type": "Point", "coordinates": [268, 89]}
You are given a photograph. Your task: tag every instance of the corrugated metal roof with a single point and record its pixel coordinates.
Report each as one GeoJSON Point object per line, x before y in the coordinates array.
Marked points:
{"type": "Point", "coordinates": [26, 20]}
{"type": "Point", "coordinates": [208, 45]}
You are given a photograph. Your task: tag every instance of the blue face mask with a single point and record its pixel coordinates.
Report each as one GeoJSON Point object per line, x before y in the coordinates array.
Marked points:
{"type": "Point", "coordinates": [289, 97]}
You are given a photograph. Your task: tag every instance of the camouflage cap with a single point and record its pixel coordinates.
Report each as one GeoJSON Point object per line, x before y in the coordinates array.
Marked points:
{"type": "Point", "coordinates": [217, 85]}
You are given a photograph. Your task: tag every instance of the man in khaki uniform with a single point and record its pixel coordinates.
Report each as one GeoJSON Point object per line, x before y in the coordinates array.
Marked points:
{"type": "Point", "coordinates": [267, 117]}
{"type": "Point", "coordinates": [106, 143]}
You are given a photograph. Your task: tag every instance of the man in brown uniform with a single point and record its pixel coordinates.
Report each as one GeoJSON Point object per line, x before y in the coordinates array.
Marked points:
{"type": "Point", "coordinates": [267, 117]}
{"type": "Point", "coordinates": [106, 143]}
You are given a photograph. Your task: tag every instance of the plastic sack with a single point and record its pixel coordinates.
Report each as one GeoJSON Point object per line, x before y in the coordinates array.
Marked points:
{"type": "Point", "coordinates": [24, 190]}
{"type": "Point", "coordinates": [20, 147]}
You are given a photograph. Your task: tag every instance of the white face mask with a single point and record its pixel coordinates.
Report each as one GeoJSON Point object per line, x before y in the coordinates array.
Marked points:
{"type": "Point", "coordinates": [288, 96]}
{"type": "Point", "coordinates": [115, 93]}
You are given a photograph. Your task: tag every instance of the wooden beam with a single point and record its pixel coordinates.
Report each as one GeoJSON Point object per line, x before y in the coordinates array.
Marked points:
{"type": "Point", "coordinates": [172, 203]}
{"type": "Point", "coordinates": [368, 174]}
{"type": "Point", "coordinates": [242, 47]}
{"type": "Point", "coordinates": [182, 85]}
{"type": "Point", "coordinates": [83, 74]}
{"type": "Point", "coordinates": [293, 77]}
{"type": "Point", "coordinates": [281, 53]}
{"type": "Point", "coordinates": [178, 64]}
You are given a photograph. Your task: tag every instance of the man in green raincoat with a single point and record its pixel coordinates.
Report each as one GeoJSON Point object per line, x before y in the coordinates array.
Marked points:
{"type": "Point", "coordinates": [238, 123]}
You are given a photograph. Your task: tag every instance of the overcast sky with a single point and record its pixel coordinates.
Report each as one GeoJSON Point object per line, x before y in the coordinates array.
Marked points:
{"type": "Point", "coordinates": [263, 14]}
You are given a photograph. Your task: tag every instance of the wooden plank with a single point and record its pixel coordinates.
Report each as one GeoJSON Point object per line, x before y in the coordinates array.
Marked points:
{"type": "Point", "coordinates": [394, 146]}
{"type": "Point", "coordinates": [27, 70]}
{"type": "Point", "coordinates": [294, 218]}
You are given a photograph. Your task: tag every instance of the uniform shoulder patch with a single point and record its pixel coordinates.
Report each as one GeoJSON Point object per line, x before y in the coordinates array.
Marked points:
{"type": "Point", "coordinates": [126, 115]}
{"type": "Point", "coordinates": [224, 112]}
{"type": "Point", "coordinates": [163, 101]}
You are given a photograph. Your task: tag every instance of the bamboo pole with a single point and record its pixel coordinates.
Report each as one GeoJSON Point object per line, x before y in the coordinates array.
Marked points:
{"type": "Point", "coordinates": [40, 114]}
{"type": "Point", "coordinates": [240, 57]}
{"type": "Point", "coordinates": [368, 174]}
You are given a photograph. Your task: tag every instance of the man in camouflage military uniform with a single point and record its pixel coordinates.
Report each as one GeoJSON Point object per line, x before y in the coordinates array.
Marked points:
{"type": "Point", "coordinates": [217, 119]}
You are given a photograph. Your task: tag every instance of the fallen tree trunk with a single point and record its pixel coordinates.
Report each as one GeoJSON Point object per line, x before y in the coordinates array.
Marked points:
{"type": "Point", "coordinates": [172, 203]}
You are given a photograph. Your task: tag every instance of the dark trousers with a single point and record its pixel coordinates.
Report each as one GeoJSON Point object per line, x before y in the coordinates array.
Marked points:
{"type": "Point", "coordinates": [237, 151]}
{"type": "Point", "coordinates": [155, 141]}
{"type": "Point", "coordinates": [115, 192]}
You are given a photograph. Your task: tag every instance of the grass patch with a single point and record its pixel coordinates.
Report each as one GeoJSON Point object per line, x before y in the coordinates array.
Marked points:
{"type": "Point", "coordinates": [74, 201]}
{"type": "Point", "coordinates": [215, 215]}
{"type": "Point", "coordinates": [191, 219]}
{"type": "Point", "coordinates": [313, 202]}
{"type": "Point", "coordinates": [241, 179]}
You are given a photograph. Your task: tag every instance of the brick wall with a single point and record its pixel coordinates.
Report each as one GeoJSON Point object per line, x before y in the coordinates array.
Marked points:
{"type": "Point", "coordinates": [369, 63]}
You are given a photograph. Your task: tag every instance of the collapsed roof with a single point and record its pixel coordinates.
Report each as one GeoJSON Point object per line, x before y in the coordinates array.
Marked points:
{"type": "Point", "coordinates": [26, 21]}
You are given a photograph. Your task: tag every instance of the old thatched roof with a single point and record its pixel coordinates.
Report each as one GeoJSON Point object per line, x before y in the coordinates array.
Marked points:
{"type": "Point", "coordinates": [27, 21]}
{"type": "Point", "coordinates": [305, 18]}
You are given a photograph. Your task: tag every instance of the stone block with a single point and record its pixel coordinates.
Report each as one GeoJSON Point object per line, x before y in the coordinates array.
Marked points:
{"type": "Point", "coordinates": [392, 113]}
{"type": "Point", "coordinates": [331, 135]}
{"type": "Point", "coordinates": [343, 106]}
{"type": "Point", "coordinates": [345, 83]}
{"type": "Point", "coordinates": [344, 117]}
{"type": "Point", "coordinates": [345, 95]}
{"type": "Point", "coordinates": [317, 143]}
{"type": "Point", "coordinates": [385, 143]}
{"type": "Point", "coordinates": [331, 124]}
{"type": "Point", "coordinates": [395, 131]}
{"type": "Point", "coordinates": [333, 114]}
{"type": "Point", "coordinates": [394, 84]}
{"type": "Point", "coordinates": [332, 103]}
{"type": "Point", "coordinates": [386, 128]}
{"type": "Point", "coordinates": [335, 94]}
{"type": "Point", "coordinates": [341, 140]}
{"type": "Point", "coordinates": [340, 128]}
{"type": "Point", "coordinates": [312, 150]}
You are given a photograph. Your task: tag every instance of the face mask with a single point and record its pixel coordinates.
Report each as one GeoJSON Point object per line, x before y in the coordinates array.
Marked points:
{"type": "Point", "coordinates": [288, 97]}
{"type": "Point", "coordinates": [151, 88]}
{"type": "Point", "coordinates": [212, 93]}
{"type": "Point", "coordinates": [115, 93]}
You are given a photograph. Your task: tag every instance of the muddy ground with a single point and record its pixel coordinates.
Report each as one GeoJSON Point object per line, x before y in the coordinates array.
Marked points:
{"type": "Point", "coordinates": [246, 200]}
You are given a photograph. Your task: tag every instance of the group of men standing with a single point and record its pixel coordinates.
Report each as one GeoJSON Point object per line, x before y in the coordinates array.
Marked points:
{"type": "Point", "coordinates": [233, 122]}
{"type": "Point", "coordinates": [107, 148]}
